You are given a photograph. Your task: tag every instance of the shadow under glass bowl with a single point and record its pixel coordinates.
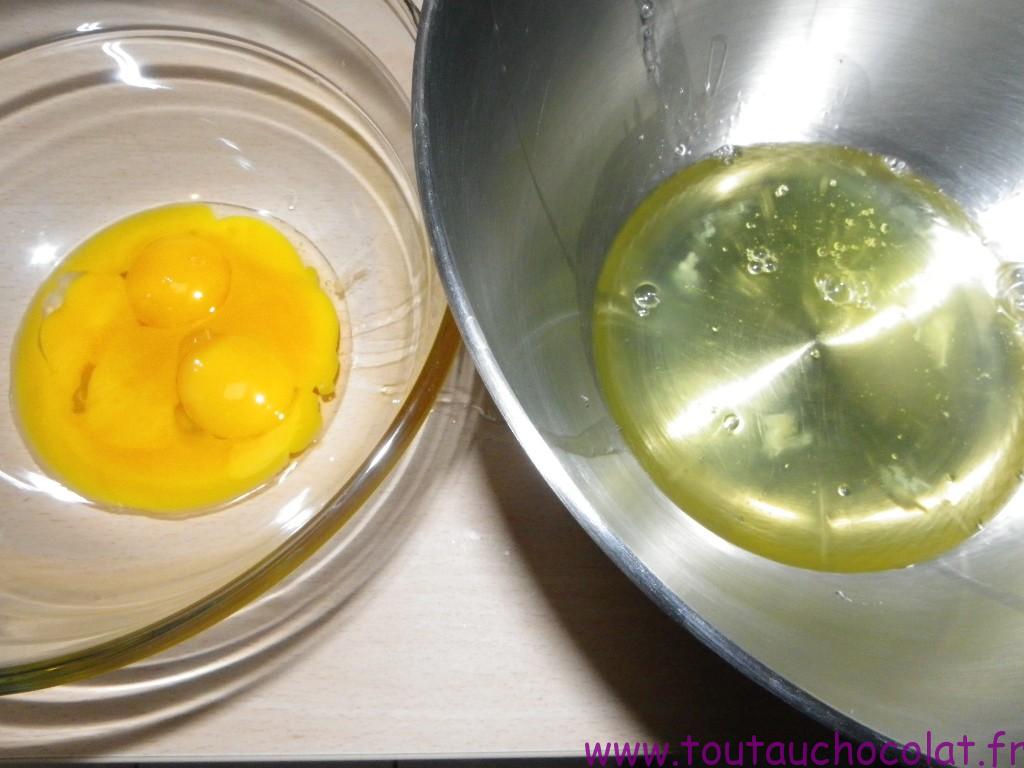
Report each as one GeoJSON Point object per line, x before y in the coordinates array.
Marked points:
{"type": "Point", "coordinates": [110, 108]}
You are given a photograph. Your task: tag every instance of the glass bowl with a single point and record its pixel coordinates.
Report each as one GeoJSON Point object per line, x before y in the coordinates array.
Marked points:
{"type": "Point", "coordinates": [111, 108]}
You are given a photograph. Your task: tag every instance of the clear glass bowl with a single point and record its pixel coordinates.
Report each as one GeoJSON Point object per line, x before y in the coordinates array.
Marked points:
{"type": "Point", "coordinates": [110, 108]}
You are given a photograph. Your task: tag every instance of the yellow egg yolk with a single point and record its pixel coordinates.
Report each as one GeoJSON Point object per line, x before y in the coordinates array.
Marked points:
{"type": "Point", "coordinates": [177, 280]}
{"type": "Point", "coordinates": [233, 387]}
{"type": "Point", "coordinates": [175, 361]}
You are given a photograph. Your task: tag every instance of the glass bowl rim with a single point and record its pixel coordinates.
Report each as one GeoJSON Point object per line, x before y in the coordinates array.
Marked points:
{"type": "Point", "coordinates": [301, 544]}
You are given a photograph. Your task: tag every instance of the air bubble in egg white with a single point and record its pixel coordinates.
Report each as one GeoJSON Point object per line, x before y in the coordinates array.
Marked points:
{"type": "Point", "coordinates": [645, 299]}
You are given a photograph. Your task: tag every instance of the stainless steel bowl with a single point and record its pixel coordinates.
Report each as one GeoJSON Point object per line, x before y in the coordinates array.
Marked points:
{"type": "Point", "coordinates": [540, 126]}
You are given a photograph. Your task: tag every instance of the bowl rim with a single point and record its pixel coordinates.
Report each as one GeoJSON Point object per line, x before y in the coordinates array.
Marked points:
{"type": "Point", "coordinates": [541, 455]}
{"type": "Point", "coordinates": [300, 545]}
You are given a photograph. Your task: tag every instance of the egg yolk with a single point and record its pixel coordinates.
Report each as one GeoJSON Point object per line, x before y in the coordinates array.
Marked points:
{"type": "Point", "coordinates": [175, 361]}
{"type": "Point", "coordinates": [177, 280]}
{"type": "Point", "coordinates": [233, 387]}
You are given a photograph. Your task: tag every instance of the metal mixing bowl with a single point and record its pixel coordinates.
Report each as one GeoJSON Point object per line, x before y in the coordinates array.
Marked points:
{"type": "Point", "coordinates": [540, 127]}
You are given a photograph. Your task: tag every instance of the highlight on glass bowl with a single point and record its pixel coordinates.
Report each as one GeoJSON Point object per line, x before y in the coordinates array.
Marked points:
{"type": "Point", "coordinates": [222, 327]}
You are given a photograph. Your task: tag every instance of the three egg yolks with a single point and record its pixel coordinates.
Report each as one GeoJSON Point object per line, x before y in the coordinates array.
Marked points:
{"type": "Point", "coordinates": [175, 361]}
